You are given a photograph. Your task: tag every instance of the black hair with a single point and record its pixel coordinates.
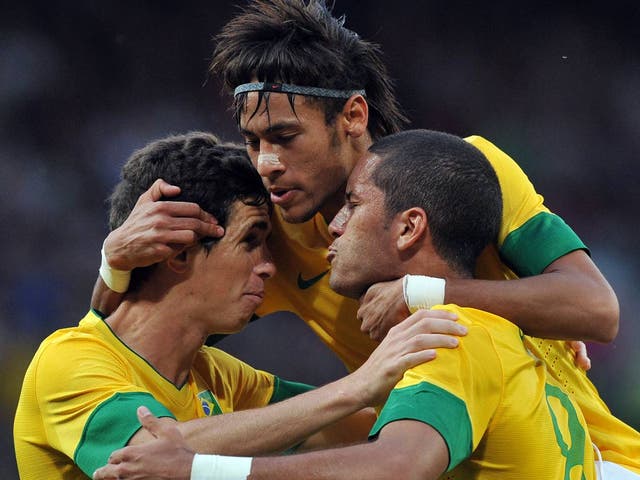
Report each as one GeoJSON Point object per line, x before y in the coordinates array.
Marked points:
{"type": "Point", "coordinates": [300, 42]}
{"type": "Point", "coordinates": [452, 181]}
{"type": "Point", "coordinates": [209, 173]}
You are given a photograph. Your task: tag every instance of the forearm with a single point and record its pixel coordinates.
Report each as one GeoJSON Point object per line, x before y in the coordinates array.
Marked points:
{"type": "Point", "coordinates": [405, 449]}
{"type": "Point", "coordinates": [570, 300]}
{"type": "Point", "coordinates": [104, 299]}
{"type": "Point", "coordinates": [347, 431]}
{"type": "Point", "coordinates": [276, 427]}
{"type": "Point", "coordinates": [356, 462]}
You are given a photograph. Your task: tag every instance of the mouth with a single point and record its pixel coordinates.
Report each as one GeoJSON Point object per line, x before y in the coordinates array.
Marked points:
{"type": "Point", "coordinates": [281, 196]}
{"type": "Point", "coordinates": [331, 255]}
{"type": "Point", "coordinates": [256, 298]}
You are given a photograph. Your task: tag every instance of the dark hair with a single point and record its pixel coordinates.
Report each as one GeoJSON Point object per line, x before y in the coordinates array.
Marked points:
{"type": "Point", "coordinates": [452, 181]}
{"type": "Point", "coordinates": [209, 173]}
{"type": "Point", "coordinates": [300, 42]}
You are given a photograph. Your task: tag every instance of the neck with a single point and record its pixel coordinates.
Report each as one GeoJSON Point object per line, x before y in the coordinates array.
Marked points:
{"type": "Point", "coordinates": [431, 264]}
{"type": "Point", "coordinates": [357, 147]}
{"type": "Point", "coordinates": [168, 343]}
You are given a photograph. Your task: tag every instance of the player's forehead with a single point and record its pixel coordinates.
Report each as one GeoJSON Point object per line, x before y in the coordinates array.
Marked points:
{"type": "Point", "coordinates": [244, 216]}
{"type": "Point", "coordinates": [268, 110]}
{"type": "Point", "coordinates": [360, 179]}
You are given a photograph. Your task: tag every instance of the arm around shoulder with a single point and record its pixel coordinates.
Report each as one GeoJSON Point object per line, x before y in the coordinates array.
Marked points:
{"type": "Point", "coordinates": [589, 294]}
{"type": "Point", "coordinates": [569, 300]}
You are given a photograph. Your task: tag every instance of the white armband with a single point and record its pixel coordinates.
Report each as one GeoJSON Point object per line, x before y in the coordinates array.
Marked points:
{"type": "Point", "coordinates": [116, 280]}
{"type": "Point", "coordinates": [422, 292]}
{"type": "Point", "coordinates": [220, 467]}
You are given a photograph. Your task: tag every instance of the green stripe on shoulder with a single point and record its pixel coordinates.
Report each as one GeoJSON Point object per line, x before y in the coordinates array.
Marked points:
{"type": "Point", "coordinates": [540, 241]}
{"type": "Point", "coordinates": [111, 426]}
{"type": "Point", "coordinates": [430, 404]}
{"type": "Point", "coordinates": [283, 389]}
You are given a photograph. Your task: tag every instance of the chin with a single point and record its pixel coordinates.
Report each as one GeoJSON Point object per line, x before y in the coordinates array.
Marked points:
{"type": "Point", "coordinates": [297, 214]}
{"type": "Point", "coordinates": [237, 326]}
{"type": "Point", "coordinates": [345, 289]}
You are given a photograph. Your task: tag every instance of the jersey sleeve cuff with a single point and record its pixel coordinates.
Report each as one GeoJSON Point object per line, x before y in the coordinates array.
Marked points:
{"type": "Point", "coordinates": [540, 241]}
{"type": "Point", "coordinates": [430, 404]}
{"type": "Point", "coordinates": [283, 389]}
{"type": "Point", "coordinates": [111, 426]}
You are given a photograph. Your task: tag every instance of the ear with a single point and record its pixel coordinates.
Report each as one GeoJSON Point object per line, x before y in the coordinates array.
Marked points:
{"type": "Point", "coordinates": [355, 116]}
{"type": "Point", "coordinates": [180, 263]}
{"type": "Point", "coordinates": [411, 228]}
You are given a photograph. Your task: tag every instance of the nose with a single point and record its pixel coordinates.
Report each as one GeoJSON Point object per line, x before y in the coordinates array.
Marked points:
{"type": "Point", "coordinates": [265, 267]}
{"type": "Point", "coordinates": [269, 164]}
{"type": "Point", "coordinates": [339, 222]}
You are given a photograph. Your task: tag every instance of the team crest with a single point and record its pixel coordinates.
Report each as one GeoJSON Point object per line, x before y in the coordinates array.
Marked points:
{"type": "Point", "coordinates": [209, 403]}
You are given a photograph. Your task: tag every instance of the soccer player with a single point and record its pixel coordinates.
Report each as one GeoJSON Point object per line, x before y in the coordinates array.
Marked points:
{"type": "Point", "coordinates": [485, 410]}
{"type": "Point", "coordinates": [310, 96]}
{"type": "Point", "coordinates": [84, 385]}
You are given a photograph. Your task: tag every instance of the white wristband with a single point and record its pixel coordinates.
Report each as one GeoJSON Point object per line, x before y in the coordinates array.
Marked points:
{"type": "Point", "coordinates": [422, 292]}
{"type": "Point", "coordinates": [220, 467]}
{"type": "Point", "coordinates": [116, 280]}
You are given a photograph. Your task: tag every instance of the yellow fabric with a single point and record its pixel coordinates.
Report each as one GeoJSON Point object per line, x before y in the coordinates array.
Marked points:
{"type": "Point", "coordinates": [520, 201]}
{"type": "Point", "coordinates": [302, 249]}
{"type": "Point", "coordinates": [508, 404]}
{"type": "Point", "coordinates": [76, 370]}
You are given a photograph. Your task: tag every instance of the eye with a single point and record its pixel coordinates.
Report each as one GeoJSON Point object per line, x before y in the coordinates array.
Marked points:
{"type": "Point", "coordinates": [252, 241]}
{"type": "Point", "coordinates": [252, 143]}
{"type": "Point", "coordinates": [284, 139]}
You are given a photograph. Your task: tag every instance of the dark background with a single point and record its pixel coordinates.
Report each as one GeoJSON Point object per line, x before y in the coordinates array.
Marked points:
{"type": "Point", "coordinates": [83, 83]}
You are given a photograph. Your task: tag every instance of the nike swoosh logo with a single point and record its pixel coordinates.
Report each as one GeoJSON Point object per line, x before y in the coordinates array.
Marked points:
{"type": "Point", "coordinates": [304, 284]}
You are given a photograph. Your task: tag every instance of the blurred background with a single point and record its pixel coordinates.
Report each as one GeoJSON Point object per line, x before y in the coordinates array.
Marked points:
{"type": "Point", "coordinates": [84, 83]}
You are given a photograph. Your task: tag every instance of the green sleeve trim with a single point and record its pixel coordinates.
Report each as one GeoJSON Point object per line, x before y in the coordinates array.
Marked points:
{"type": "Point", "coordinates": [542, 239]}
{"type": "Point", "coordinates": [430, 404]}
{"type": "Point", "coordinates": [111, 426]}
{"type": "Point", "coordinates": [283, 389]}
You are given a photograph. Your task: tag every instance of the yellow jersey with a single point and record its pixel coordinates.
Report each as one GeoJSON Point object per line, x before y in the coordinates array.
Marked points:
{"type": "Point", "coordinates": [83, 387]}
{"type": "Point", "coordinates": [495, 407]}
{"type": "Point", "coordinates": [530, 238]}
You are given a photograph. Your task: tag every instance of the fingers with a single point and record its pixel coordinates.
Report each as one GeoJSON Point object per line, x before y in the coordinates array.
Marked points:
{"type": "Point", "coordinates": [441, 314]}
{"type": "Point", "coordinates": [430, 321]}
{"type": "Point", "coordinates": [433, 340]}
{"type": "Point", "coordinates": [582, 359]}
{"type": "Point", "coordinates": [104, 473]}
{"type": "Point", "coordinates": [203, 223]}
{"type": "Point", "coordinates": [113, 469]}
{"type": "Point", "coordinates": [158, 190]}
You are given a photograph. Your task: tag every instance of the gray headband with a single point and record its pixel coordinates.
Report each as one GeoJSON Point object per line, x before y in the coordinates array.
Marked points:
{"type": "Point", "coordinates": [288, 88]}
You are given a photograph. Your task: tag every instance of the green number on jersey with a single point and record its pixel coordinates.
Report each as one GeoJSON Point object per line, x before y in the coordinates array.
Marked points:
{"type": "Point", "coordinates": [574, 453]}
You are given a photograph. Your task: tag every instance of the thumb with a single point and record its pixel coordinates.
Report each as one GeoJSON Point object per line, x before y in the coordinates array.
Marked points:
{"type": "Point", "coordinates": [156, 427]}
{"type": "Point", "coordinates": [149, 422]}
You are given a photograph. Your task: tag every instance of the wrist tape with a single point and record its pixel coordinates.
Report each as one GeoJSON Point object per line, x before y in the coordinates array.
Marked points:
{"type": "Point", "coordinates": [422, 292]}
{"type": "Point", "coordinates": [220, 467]}
{"type": "Point", "coordinates": [116, 280]}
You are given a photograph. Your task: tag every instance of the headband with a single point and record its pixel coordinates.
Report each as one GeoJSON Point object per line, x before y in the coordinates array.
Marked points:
{"type": "Point", "coordinates": [288, 88]}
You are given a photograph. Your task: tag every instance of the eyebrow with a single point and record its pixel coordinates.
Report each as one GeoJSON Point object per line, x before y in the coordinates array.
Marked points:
{"type": "Point", "coordinates": [274, 128]}
{"type": "Point", "coordinates": [350, 195]}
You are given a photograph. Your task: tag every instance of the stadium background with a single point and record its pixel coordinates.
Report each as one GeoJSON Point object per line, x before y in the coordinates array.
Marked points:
{"type": "Point", "coordinates": [83, 83]}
